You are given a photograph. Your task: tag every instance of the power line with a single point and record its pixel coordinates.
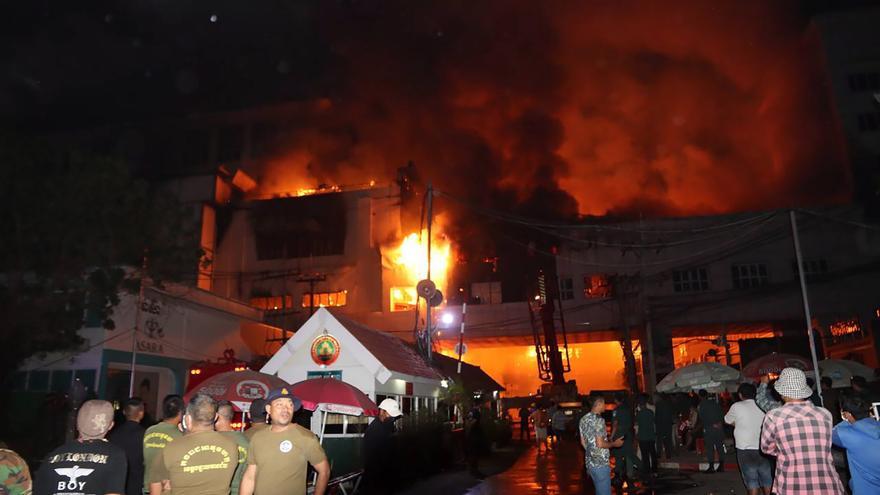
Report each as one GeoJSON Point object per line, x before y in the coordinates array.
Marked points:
{"type": "Point", "coordinates": [574, 226]}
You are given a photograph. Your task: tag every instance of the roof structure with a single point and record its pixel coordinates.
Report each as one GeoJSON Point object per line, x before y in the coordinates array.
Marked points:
{"type": "Point", "coordinates": [472, 378]}
{"type": "Point", "coordinates": [392, 352]}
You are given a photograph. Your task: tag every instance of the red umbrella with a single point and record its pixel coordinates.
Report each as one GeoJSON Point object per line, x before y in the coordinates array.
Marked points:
{"type": "Point", "coordinates": [774, 363]}
{"type": "Point", "coordinates": [238, 387]}
{"type": "Point", "coordinates": [334, 396]}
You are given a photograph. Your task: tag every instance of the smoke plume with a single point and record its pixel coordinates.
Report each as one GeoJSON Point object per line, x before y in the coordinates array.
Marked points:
{"type": "Point", "coordinates": [559, 109]}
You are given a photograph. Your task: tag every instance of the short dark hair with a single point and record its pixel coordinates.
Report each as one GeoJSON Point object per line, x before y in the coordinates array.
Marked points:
{"type": "Point", "coordinates": [826, 381]}
{"type": "Point", "coordinates": [132, 406]}
{"type": "Point", "coordinates": [643, 399]}
{"type": "Point", "coordinates": [702, 393]}
{"type": "Point", "coordinates": [747, 390]}
{"type": "Point", "coordinates": [172, 406]}
{"type": "Point", "coordinates": [856, 405]}
{"type": "Point", "coordinates": [859, 380]}
{"type": "Point", "coordinates": [225, 410]}
{"type": "Point", "coordinates": [258, 411]}
{"type": "Point", "coordinates": [591, 401]}
{"type": "Point", "coordinates": [202, 408]}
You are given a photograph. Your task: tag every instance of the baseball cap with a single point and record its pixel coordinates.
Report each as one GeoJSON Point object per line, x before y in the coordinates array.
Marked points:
{"type": "Point", "coordinates": [391, 407]}
{"type": "Point", "coordinates": [792, 383]}
{"type": "Point", "coordinates": [283, 393]}
{"type": "Point", "coordinates": [94, 419]}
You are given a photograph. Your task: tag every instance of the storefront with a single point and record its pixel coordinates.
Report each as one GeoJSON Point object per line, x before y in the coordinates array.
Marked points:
{"type": "Point", "coordinates": [179, 326]}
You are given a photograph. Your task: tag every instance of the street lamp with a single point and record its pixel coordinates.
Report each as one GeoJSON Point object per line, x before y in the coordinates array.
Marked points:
{"type": "Point", "coordinates": [447, 318]}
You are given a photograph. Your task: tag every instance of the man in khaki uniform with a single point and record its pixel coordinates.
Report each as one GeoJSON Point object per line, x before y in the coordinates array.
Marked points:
{"type": "Point", "coordinates": [278, 456]}
{"type": "Point", "coordinates": [159, 435]}
{"type": "Point", "coordinates": [258, 419]}
{"type": "Point", "coordinates": [202, 462]}
{"type": "Point", "coordinates": [225, 415]}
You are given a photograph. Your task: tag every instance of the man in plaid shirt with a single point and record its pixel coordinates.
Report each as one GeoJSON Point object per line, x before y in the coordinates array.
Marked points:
{"type": "Point", "coordinates": [799, 435]}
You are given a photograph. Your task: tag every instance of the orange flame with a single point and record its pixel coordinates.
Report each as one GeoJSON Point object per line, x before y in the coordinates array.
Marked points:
{"type": "Point", "coordinates": [408, 262]}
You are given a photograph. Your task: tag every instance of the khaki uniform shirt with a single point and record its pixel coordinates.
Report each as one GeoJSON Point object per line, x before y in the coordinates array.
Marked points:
{"type": "Point", "coordinates": [254, 429]}
{"type": "Point", "coordinates": [243, 445]}
{"type": "Point", "coordinates": [282, 458]}
{"type": "Point", "coordinates": [200, 463]}
{"type": "Point", "coordinates": [155, 439]}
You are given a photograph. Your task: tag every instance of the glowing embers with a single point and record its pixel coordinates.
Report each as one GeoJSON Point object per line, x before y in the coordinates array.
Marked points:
{"type": "Point", "coordinates": [846, 329]}
{"type": "Point", "coordinates": [597, 286]}
{"type": "Point", "coordinates": [322, 189]}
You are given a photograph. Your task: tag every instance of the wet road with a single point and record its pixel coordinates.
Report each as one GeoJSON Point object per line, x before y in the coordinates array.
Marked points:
{"type": "Point", "coordinates": [559, 471]}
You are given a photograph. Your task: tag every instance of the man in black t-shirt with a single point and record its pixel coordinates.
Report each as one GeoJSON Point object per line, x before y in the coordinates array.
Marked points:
{"type": "Point", "coordinates": [129, 437]}
{"type": "Point", "coordinates": [89, 465]}
{"type": "Point", "coordinates": [379, 454]}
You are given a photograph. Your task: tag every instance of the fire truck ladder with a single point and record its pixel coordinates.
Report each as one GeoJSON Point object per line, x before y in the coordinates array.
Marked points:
{"type": "Point", "coordinates": [553, 363]}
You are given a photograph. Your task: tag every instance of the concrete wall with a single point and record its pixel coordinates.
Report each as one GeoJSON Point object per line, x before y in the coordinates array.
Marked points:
{"type": "Point", "coordinates": [373, 220]}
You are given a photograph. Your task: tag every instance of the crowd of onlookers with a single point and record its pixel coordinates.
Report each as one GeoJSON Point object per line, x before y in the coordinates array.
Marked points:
{"type": "Point", "coordinates": [785, 439]}
{"type": "Point", "coordinates": [195, 450]}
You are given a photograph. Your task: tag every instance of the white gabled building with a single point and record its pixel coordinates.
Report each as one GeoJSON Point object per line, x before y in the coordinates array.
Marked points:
{"type": "Point", "coordinates": [380, 365]}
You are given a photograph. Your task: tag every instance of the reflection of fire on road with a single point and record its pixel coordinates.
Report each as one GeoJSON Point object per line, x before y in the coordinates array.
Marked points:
{"type": "Point", "coordinates": [408, 262]}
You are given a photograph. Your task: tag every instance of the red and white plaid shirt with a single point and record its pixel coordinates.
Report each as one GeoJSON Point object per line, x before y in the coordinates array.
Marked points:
{"type": "Point", "coordinates": [799, 435]}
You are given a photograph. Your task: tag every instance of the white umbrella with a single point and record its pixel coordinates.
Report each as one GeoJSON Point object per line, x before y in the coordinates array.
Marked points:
{"type": "Point", "coordinates": [842, 370]}
{"type": "Point", "coordinates": [713, 377]}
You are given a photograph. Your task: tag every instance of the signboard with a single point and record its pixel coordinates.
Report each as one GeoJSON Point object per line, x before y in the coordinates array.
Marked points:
{"type": "Point", "coordinates": [325, 349]}
{"type": "Point", "coordinates": [337, 374]}
{"type": "Point", "coordinates": [153, 330]}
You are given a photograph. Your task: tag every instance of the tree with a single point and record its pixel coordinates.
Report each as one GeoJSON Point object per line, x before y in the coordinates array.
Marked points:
{"type": "Point", "coordinates": [75, 229]}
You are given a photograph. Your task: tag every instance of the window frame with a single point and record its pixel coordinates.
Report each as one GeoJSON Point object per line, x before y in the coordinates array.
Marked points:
{"type": "Point", "coordinates": [743, 278]}
{"type": "Point", "coordinates": [682, 286]}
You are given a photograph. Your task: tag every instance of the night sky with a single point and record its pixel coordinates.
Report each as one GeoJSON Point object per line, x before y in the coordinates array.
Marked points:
{"type": "Point", "coordinates": [550, 108]}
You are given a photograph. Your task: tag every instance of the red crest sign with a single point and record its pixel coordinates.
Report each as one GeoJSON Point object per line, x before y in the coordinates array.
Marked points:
{"type": "Point", "coordinates": [325, 349]}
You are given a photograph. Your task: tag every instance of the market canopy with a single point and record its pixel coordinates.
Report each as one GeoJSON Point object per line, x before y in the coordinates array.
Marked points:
{"type": "Point", "coordinates": [713, 377]}
{"type": "Point", "coordinates": [238, 387]}
{"type": "Point", "coordinates": [773, 363]}
{"type": "Point", "coordinates": [335, 396]}
{"type": "Point", "coordinates": [841, 371]}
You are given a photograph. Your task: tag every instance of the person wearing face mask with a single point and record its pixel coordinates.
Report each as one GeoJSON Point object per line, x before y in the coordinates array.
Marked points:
{"type": "Point", "coordinates": [280, 454]}
{"type": "Point", "coordinates": [202, 462]}
{"type": "Point", "coordinates": [859, 434]}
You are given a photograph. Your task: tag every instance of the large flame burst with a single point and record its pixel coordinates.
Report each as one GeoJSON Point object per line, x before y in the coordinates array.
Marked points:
{"type": "Point", "coordinates": [409, 262]}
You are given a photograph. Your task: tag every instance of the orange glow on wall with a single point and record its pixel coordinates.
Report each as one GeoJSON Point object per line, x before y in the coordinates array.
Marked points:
{"type": "Point", "coordinates": [595, 366]}
{"type": "Point", "coordinates": [698, 349]}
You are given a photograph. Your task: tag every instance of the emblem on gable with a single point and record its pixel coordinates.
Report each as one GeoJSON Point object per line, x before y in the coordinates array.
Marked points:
{"type": "Point", "coordinates": [325, 349]}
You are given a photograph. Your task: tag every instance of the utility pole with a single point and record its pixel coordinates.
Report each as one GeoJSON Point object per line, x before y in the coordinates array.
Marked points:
{"type": "Point", "coordinates": [619, 285]}
{"type": "Point", "coordinates": [461, 335]}
{"type": "Point", "coordinates": [807, 315]}
{"type": "Point", "coordinates": [311, 279]}
{"type": "Point", "coordinates": [137, 323]}
{"type": "Point", "coordinates": [651, 369]}
{"type": "Point", "coordinates": [430, 218]}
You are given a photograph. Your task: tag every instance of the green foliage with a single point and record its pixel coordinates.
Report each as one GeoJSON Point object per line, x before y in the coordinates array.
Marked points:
{"type": "Point", "coordinates": [76, 227]}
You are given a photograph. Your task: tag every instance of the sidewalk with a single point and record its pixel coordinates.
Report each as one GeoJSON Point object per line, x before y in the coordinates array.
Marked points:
{"type": "Point", "coordinates": [459, 481]}
{"type": "Point", "coordinates": [520, 470]}
{"type": "Point", "coordinates": [691, 461]}
{"type": "Point", "coordinates": [560, 472]}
